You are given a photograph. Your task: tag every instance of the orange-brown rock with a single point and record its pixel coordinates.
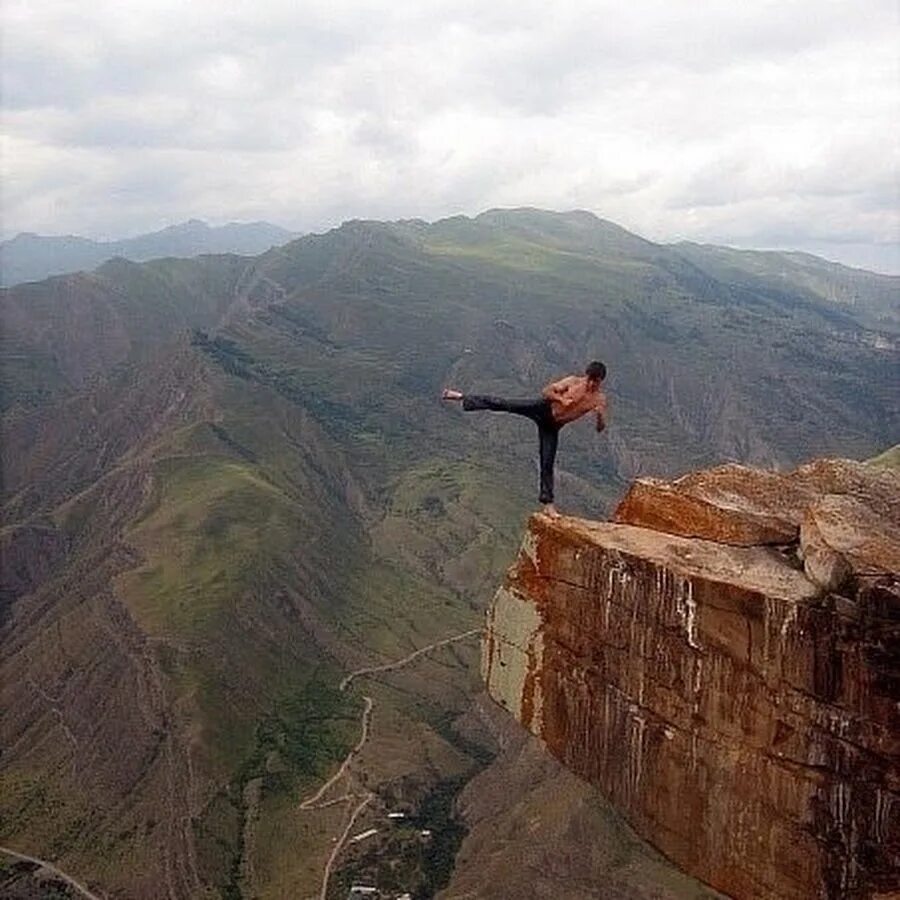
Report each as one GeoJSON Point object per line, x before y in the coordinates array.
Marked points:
{"type": "Point", "coordinates": [744, 718]}
{"type": "Point", "coordinates": [676, 509]}
{"type": "Point", "coordinates": [842, 533]}
{"type": "Point", "coordinates": [735, 504]}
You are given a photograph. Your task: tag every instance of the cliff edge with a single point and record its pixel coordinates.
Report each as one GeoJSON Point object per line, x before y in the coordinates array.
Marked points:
{"type": "Point", "coordinates": [723, 661]}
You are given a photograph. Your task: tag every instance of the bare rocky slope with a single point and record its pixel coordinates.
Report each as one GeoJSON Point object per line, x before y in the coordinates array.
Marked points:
{"type": "Point", "coordinates": [227, 482]}
{"type": "Point", "coordinates": [722, 661]}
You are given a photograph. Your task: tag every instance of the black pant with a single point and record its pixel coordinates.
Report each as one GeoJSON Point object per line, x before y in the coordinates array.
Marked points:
{"type": "Point", "coordinates": [541, 413]}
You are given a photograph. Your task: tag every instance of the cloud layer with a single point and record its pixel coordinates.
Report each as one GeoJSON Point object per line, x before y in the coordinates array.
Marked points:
{"type": "Point", "coordinates": [767, 125]}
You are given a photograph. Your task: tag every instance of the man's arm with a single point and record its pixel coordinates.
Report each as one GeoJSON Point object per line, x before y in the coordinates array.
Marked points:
{"type": "Point", "coordinates": [557, 390]}
{"type": "Point", "coordinates": [601, 413]}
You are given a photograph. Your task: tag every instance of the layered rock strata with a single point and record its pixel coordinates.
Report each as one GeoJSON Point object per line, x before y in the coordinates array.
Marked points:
{"type": "Point", "coordinates": [737, 702]}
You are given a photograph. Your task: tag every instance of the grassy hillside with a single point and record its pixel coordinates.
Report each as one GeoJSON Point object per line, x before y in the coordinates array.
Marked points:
{"type": "Point", "coordinates": [890, 458]}
{"type": "Point", "coordinates": [228, 482]}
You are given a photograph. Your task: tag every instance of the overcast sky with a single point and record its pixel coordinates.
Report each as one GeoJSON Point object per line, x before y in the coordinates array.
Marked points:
{"type": "Point", "coordinates": [758, 124]}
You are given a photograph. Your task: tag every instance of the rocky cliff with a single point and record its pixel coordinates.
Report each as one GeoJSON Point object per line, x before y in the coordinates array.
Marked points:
{"type": "Point", "coordinates": [723, 661]}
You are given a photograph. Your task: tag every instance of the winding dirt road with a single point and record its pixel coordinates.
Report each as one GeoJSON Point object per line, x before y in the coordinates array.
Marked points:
{"type": "Point", "coordinates": [389, 667]}
{"type": "Point", "coordinates": [315, 801]}
{"type": "Point", "coordinates": [339, 844]}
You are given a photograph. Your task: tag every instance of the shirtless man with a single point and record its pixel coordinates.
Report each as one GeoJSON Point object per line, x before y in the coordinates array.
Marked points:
{"type": "Point", "coordinates": [561, 402]}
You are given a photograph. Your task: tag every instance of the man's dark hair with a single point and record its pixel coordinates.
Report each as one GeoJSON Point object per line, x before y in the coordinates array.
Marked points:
{"type": "Point", "coordinates": [596, 371]}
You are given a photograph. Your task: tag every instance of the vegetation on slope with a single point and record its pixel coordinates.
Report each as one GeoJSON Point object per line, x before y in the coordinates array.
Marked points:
{"type": "Point", "coordinates": [890, 458]}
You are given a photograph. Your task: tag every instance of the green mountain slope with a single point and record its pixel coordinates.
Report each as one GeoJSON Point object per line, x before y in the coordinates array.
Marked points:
{"type": "Point", "coordinates": [889, 459]}
{"type": "Point", "coordinates": [228, 482]}
{"type": "Point", "coordinates": [870, 297]}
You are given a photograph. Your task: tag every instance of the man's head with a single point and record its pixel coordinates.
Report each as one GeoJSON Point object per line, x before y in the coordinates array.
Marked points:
{"type": "Point", "coordinates": [595, 371]}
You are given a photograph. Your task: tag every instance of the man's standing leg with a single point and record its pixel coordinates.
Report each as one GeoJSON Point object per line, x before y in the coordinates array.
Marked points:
{"type": "Point", "coordinates": [549, 439]}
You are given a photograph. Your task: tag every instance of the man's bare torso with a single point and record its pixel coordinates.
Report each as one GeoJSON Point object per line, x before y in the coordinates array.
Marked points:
{"type": "Point", "coordinates": [573, 397]}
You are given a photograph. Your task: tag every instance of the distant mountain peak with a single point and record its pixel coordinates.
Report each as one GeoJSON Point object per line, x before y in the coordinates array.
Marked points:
{"type": "Point", "coordinates": [31, 257]}
{"type": "Point", "coordinates": [537, 212]}
{"type": "Point", "coordinates": [187, 226]}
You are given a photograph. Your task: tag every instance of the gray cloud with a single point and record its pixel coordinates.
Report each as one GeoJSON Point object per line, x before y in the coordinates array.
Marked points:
{"type": "Point", "coordinates": [757, 124]}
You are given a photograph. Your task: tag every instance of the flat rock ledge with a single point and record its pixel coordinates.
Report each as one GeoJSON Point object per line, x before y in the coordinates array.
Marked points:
{"type": "Point", "coordinates": [723, 662]}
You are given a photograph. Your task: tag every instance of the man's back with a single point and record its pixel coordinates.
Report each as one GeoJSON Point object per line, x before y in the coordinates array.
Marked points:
{"type": "Point", "coordinates": [574, 396]}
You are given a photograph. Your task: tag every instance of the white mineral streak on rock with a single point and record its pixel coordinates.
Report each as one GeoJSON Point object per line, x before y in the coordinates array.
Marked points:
{"type": "Point", "coordinates": [617, 580]}
{"type": "Point", "coordinates": [626, 585]}
{"type": "Point", "coordinates": [840, 803]}
{"type": "Point", "coordinates": [685, 588]}
{"type": "Point", "coordinates": [636, 750]}
{"type": "Point", "coordinates": [839, 723]}
{"type": "Point", "coordinates": [676, 592]}
{"type": "Point", "coordinates": [840, 799]}
{"type": "Point", "coordinates": [625, 718]}
{"type": "Point", "coordinates": [883, 804]}
{"type": "Point", "coordinates": [607, 599]}
{"type": "Point", "coordinates": [789, 620]}
{"type": "Point", "coordinates": [697, 682]}
{"type": "Point", "coordinates": [780, 616]}
{"type": "Point", "coordinates": [696, 687]}
{"type": "Point", "coordinates": [816, 754]}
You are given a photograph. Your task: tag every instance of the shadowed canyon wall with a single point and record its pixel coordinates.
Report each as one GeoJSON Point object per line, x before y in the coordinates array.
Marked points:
{"type": "Point", "coordinates": [722, 662]}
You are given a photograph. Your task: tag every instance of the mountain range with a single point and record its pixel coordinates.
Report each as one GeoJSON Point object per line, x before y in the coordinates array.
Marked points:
{"type": "Point", "coordinates": [32, 257]}
{"type": "Point", "coordinates": [229, 481]}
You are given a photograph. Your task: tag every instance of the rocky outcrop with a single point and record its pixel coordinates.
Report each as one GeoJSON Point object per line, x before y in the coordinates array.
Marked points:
{"type": "Point", "coordinates": [723, 662]}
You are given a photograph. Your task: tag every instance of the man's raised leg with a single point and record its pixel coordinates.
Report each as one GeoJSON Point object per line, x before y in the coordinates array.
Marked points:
{"type": "Point", "coordinates": [532, 408]}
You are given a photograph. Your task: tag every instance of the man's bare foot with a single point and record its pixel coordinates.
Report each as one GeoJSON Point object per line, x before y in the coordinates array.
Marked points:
{"type": "Point", "coordinates": [450, 394]}
{"type": "Point", "coordinates": [551, 511]}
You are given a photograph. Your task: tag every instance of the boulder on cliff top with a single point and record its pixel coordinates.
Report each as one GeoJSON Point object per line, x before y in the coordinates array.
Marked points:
{"type": "Point", "coordinates": [841, 536]}
{"type": "Point", "coordinates": [845, 514]}
{"type": "Point", "coordinates": [685, 510]}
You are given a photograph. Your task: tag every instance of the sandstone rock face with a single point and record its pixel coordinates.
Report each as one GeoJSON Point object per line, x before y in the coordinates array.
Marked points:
{"type": "Point", "coordinates": [680, 508]}
{"type": "Point", "coordinates": [743, 715]}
